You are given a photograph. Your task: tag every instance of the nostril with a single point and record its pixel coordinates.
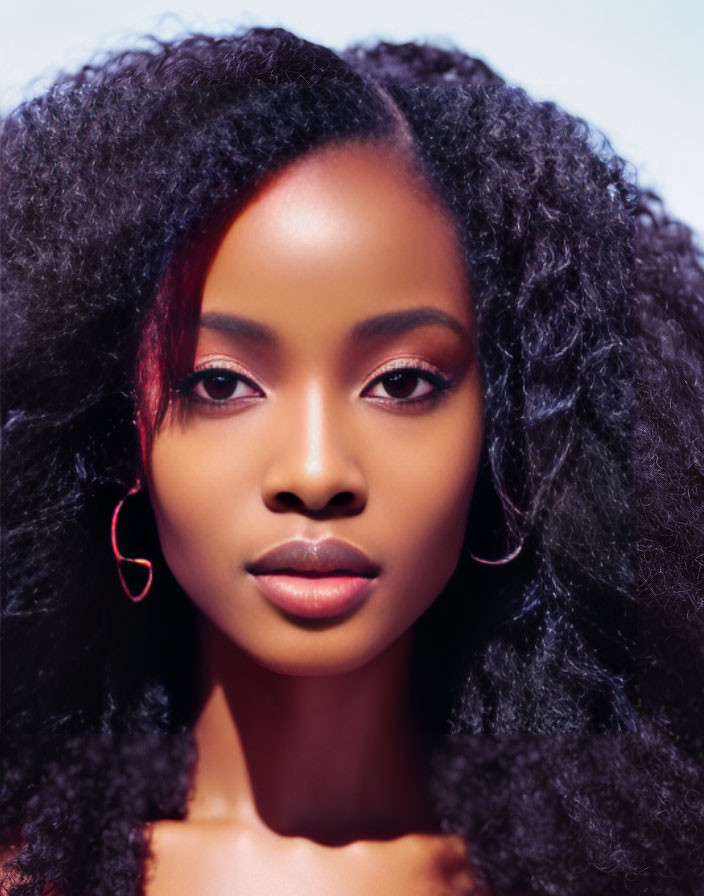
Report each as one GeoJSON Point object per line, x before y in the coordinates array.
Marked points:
{"type": "Point", "coordinates": [342, 499]}
{"type": "Point", "coordinates": [289, 501]}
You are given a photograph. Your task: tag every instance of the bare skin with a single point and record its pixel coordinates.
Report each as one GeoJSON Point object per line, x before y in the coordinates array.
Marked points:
{"type": "Point", "coordinates": [310, 776]}
{"type": "Point", "coordinates": [339, 807]}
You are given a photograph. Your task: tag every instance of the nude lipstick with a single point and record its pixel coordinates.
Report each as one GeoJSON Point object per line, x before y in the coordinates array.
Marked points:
{"type": "Point", "coordinates": [315, 579]}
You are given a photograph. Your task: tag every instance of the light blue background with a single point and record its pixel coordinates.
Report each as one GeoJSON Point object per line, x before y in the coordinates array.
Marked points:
{"type": "Point", "coordinates": [634, 68]}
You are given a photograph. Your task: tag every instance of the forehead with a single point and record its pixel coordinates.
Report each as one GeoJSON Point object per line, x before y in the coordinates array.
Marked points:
{"type": "Point", "coordinates": [350, 230]}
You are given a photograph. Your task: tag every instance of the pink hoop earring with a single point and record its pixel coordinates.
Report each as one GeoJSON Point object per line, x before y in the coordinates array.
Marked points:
{"type": "Point", "coordinates": [120, 558]}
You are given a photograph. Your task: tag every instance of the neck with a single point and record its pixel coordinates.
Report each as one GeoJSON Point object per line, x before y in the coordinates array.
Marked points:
{"type": "Point", "coordinates": [332, 758]}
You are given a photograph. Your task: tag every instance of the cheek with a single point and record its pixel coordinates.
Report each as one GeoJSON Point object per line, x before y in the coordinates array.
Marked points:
{"type": "Point", "coordinates": [431, 508]}
{"type": "Point", "coordinates": [193, 505]}
{"type": "Point", "coordinates": [432, 536]}
{"type": "Point", "coordinates": [197, 473]}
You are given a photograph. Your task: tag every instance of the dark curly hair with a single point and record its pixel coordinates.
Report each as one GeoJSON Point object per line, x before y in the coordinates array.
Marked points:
{"type": "Point", "coordinates": [564, 699]}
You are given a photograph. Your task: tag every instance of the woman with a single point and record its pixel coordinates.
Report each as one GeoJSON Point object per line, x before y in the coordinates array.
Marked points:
{"type": "Point", "coordinates": [293, 319]}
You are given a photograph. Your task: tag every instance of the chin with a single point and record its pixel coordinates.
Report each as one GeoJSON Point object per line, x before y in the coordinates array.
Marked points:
{"type": "Point", "coordinates": [318, 658]}
{"type": "Point", "coordinates": [277, 642]}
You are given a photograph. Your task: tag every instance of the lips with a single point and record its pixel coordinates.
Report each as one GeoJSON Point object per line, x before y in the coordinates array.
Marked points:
{"type": "Point", "coordinates": [328, 557]}
{"type": "Point", "coordinates": [315, 579]}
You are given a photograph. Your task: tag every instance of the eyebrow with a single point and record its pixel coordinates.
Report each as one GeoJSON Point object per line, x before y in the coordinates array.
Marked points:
{"type": "Point", "coordinates": [382, 326]}
{"type": "Point", "coordinates": [397, 322]}
{"type": "Point", "coordinates": [241, 327]}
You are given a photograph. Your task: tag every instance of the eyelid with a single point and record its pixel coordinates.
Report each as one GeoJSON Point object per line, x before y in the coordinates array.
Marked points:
{"type": "Point", "coordinates": [186, 388]}
{"type": "Point", "coordinates": [405, 364]}
{"type": "Point", "coordinates": [217, 362]}
{"type": "Point", "coordinates": [441, 384]}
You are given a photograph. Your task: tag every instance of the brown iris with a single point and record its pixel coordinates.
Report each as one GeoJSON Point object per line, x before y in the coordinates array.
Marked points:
{"type": "Point", "coordinates": [400, 383]}
{"type": "Point", "coordinates": [219, 386]}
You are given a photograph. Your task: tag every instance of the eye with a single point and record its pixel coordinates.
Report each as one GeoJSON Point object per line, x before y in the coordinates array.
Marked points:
{"type": "Point", "coordinates": [218, 385]}
{"type": "Point", "coordinates": [407, 385]}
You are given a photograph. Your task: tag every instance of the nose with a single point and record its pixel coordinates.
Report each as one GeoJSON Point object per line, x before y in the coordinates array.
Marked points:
{"type": "Point", "coordinates": [312, 469]}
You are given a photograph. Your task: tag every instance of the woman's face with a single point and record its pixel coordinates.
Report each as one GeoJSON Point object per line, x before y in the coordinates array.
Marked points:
{"type": "Point", "coordinates": [335, 394]}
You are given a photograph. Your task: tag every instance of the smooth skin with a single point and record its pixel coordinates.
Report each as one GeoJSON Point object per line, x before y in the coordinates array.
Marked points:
{"type": "Point", "coordinates": [335, 393]}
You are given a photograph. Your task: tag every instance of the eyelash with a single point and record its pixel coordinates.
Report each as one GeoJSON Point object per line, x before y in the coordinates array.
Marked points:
{"type": "Point", "coordinates": [186, 389]}
{"type": "Point", "coordinates": [439, 382]}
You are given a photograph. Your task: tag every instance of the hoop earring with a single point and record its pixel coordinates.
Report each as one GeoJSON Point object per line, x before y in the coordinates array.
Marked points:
{"type": "Point", "coordinates": [502, 560]}
{"type": "Point", "coordinates": [120, 558]}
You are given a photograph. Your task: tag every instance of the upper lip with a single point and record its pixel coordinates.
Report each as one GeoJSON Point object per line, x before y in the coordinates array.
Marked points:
{"type": "Point", "coordinates": [331, 555]}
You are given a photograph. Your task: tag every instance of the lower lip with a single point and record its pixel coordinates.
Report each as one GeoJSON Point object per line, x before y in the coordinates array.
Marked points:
{"type": "Point", "coordinates": [311, 597]}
